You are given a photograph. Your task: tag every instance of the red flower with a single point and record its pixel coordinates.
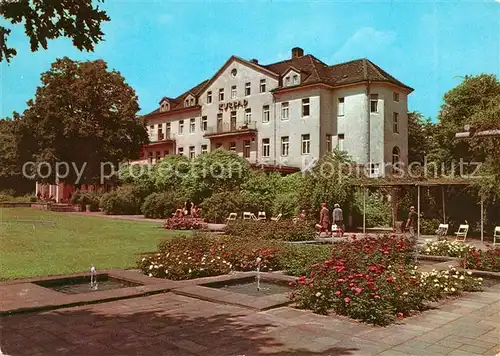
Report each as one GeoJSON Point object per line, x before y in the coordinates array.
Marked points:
{"type": "Point", "coordinates": [400, 315]}
{"type": "Point", "coordinates": [337, 293]}
{"type": "Point", "coordinates": [347, 299]}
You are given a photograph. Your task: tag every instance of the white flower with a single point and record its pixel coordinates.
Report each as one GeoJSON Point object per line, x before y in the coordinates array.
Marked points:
{"type": "Point", "coordinates": [479, 279]}
{"type": "Point", "coordinates": [462, 277]}
{"type": "Point", "coordinates": [150, 267]}
{"type": "Point", "coordinates": [143, 259]}
{"type": "Point", "coordinates": [446, 289]}
{"type": "Point", "coordinates": [190, 270]}
{"type": "Point", "coordinates": [156, 266]}
{"type": "Point", "coordinates": [150, 275]}
{"type": "Point", "coordinates": [469, 273]}
{"type": "Point", "coordinates": [452, 289]}
{"type": "Point", "coordinates": [318, 294]}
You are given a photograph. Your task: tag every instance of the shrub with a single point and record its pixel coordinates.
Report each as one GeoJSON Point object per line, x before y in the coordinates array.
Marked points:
{"type": "Point", "coordinates": [161, 205]}
{"type": "Point", "coordinates": [286, 204]}
{"type": "Point", "coordinates": [218, 207]}
{"type": "Point", "coordinates": [184, 223]}
{"type": "Point", "coordinates": [445, 248]}
{"type": "Point", "coordinates": [125, 200]}
{"type": "Point", "coordinates": [374, 284]}
{"type": "Point", "coordinates": [378, 213]}
{"type": "Point", "coordinates": [243, 252]}
{"type": "Point", "coordinates": [33, 199]}
{"type": "Point", "coordinates": [284, 230]}
{"type": "Point", "coordinates": [298, 259]}
{"type": "Point", "coordinates": [429, 226]}
{"type": "Point", "coordinates": [488, 260]}
{"type": "Point", "coordinates": [84, 198]}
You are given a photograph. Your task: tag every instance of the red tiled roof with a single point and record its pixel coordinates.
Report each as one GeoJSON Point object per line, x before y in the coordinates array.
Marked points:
{"type": "Point", "coordinates": [313, 71]}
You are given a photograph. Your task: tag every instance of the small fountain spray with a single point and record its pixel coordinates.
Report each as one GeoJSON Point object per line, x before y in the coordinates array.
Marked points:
{"type": "Point", "coordinates": [259, 260]}
{"type": "Point", "coordinates": [93, 278]}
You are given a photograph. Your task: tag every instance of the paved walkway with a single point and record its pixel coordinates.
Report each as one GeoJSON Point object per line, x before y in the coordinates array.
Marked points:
{"type": "Point", "coordinates": [170, 324]}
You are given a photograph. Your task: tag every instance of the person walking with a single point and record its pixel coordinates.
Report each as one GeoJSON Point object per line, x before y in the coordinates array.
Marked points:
{"type": "Point", "coordinates": [324, 219]}
{"type": "Point", "coordinates": [338, 219]}
{"type": "Point", "coordinates": [411, 223]}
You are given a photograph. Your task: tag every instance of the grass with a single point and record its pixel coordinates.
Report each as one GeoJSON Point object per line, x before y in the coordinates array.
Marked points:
{"type": "Point", "coordinates": [73, 244]}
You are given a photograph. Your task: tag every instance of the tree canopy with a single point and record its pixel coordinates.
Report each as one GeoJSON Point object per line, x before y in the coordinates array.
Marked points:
{"type": "Point", "coordinates": [79, 20]}
{"type": "Point", "coordinates": [83, 114]}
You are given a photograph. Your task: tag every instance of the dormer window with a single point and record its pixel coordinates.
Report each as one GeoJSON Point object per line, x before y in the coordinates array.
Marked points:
{"type": "Point", "coordinates": [189, 101]}
{"type": "Point", "coordinates": [295, 79]}
{"type": "Point", "coordinates": [287, 81]}
{"type": "Point", "coordinates": [164, 106]}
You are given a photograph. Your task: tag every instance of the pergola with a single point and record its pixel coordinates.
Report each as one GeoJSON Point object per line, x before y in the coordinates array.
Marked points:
{"type": "Point", "coordinates": [439, 182]}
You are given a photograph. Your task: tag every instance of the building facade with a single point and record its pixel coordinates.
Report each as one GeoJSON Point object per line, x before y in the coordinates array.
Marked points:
{"type": "Point", "coordinates": [287, 114]}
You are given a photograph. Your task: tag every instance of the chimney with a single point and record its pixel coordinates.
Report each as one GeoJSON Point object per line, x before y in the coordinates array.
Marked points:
{"type": "Point", "coordinates": [255, 61]}
{"type": "Point", "coordinates": [297, 52]}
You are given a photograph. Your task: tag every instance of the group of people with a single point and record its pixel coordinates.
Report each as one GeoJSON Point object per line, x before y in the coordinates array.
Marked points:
{"type": "Point", "coordinates": [324, 220]}
{"type": "Point", "coordinates": [189, 209]}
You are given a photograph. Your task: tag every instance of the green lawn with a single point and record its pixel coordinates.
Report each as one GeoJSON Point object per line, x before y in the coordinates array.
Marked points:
{"type": "Point", "coordinates": [73, 245]}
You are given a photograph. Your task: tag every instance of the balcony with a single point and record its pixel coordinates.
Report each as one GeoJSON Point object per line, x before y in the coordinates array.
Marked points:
{"type": "Point", "coordinates": [162, 138]}
{"type": "Point", "coordinates": [231, 129]}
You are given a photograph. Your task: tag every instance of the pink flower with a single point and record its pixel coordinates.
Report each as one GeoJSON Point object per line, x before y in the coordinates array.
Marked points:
{"type": "Point", "coordinates": [400, 315]}
{"type": "Point", "coordinates": [337, 293]}
{"type": "Point", "coordinates": [347, 299]}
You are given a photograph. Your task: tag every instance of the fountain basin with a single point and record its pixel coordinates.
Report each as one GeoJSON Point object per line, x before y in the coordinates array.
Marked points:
{"type": "Point", "coordinates": [248, 286]}
{"type": "Point", "coordinates": [81, 284]}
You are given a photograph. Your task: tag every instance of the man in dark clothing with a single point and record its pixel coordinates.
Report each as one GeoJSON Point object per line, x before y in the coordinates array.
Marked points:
{"type": "Point", "coordinates": [412, 222]}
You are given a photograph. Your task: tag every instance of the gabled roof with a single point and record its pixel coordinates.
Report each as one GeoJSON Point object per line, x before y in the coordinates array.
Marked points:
{"type": "Point", "coordinates": [313, 70]}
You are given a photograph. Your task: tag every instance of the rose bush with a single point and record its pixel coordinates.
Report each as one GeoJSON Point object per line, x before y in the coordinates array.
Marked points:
{"type": "Point", "coordinates": [373, 280]}
{"type": "Point", "coordinates": [484, 260]}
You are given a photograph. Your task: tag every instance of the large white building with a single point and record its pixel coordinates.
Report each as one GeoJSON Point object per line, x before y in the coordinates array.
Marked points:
{"type": "Point", "coordinates": [286, 114]}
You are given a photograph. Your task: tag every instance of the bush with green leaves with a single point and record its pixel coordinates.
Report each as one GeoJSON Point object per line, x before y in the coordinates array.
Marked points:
{"type": "Point", "coordinates": [85, 198]}
{"type": "Point", "coordinates": [218, 207]}
{"type": "Point", "coordinates": [161, 205]}
{"type": "Point", "coordinates": [377, 212]}
{"type": "Point", "coordinates": [429, 226]}
{"type": "Point", "coordinates": [284, 230]}
{"type": "Point", "coordinates": [445, 248]}
{"type": "Point", "coordinates": [125, 200]}
{"type": "Point", "coordinates": [298, 259]}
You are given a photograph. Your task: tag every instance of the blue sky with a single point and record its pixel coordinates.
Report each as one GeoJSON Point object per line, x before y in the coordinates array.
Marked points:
{"type": "Point", "coordinates": [164, 48]}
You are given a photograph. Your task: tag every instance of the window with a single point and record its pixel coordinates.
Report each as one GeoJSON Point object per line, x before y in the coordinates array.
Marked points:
{"type": "Point", "coordinates": [181, 127]}
{"type": "Point", "coordinates": [340, 107]}
{"type": "Point", "coordinates": [247, 88]}
{"type": "Point", "coordinates": [232, 146]}
{"type": "Point", "coordinates": [233, 121]}
{"type": "Point", "coordinates": [234, 71]}
{"type": "Point", "coordinates": [221, 94]}
{"type": "Point", "coordinates": [218, 145]}
{"type": "Point", "coordinates": [151, 131]}
{"type": "Point", "coordinates": [266, 147]}
{"type": "Point", "coordinates": [246, 148]}
{"type": "Point", "coordinates": [284, 111]}
{"type": "Point", "coordinates": [328, 143]}
{"type": "Point", "coordinates": [395, 156]}
{"type": "Point", "coordinates": [204, 123]}
{"type": "Point", "coordinates": [305, 107]}
{"type": "Point", "coordinates": [192, 125]}
{"type": "Point", "coordinates": [233, 92]}
{"type": "Point", "coordinates": [306, 144]}
{"type": "Point", "coordinates": [248, 116]}
{"type": "Point", "coordinates": [191, 101]}
{"type": "Point", "coordinates": [191, 151]}
{"type": "Point", "coordinates": [158, 156]}
{"type": "Point", "coordinates": [166, 153]}
{"type": "Point", "coordinates": [180, 150]}
{"type": "Point", "coordinates": [209, 97]}
{"type": "Point", "coordinates": [262, 85]}
{"type": "Point", "coordinates": [160, 132]}
{"type": "Point", "coordinates": [374, 169]}
{"type": "Point", "coordinates": [340, 142]}
{"type": "Point", "coordinates": [395, 97]}
{"type": "Point", "coordinates": [265, 113]}
{"type": "Point", "coordinates": [395, 122]}
{"type": "Point", "coordinates": [167, 133]}
{"type": "Point", "coordinates": [204, 149]}
{"type": "Point", "coordinates": [219, 123]}
{"type": "Point", "coordinates": [285, 145]}
{"type": "Point", "coordinates": [287, 81]}
{"type": "Point", "coordinates": [295, 79]}
{"type": "Point", "coordinates": [373, 102]}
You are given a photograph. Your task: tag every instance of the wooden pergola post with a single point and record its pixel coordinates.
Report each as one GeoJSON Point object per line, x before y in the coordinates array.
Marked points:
{"type": "Point", "coordinates": [444, 204]}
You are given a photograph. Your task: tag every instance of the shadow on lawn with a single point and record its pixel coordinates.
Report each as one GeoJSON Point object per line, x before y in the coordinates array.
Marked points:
{"type": "Point", "coordinates": [160, 325]}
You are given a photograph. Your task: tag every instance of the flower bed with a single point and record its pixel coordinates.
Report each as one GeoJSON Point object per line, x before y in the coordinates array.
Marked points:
{"type": "Point", "coordinates": [184, 223]}
{"type": "Point", "coordinates": [488, 260]}
{"type": "Point", "coordinates": [445, 248]}
{"type": "Point", "coordinates": [373, 280]}
{"type": "Point", "coordinates": [204, 255]}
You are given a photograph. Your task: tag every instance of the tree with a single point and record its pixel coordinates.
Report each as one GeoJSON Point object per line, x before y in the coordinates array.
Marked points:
{"type": "Point", "coordinates": [79, 20]}
{"type": "Point", "coordinates": [419, 136]}
{"type": "Point", "coordinates": [84, 115]}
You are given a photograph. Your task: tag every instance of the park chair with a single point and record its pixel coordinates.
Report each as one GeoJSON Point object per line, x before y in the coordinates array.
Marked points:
{"type": "Point", "coordinates": [462, 232]}
{"type": "Point", "coordinates": [232, 217]}
{"type": "Point", "coordinates": [442, 230]}
{"type": "Point", "coordinates": [253, 217]}
{"type": "Point", "coordinates": [261, 215]}
{"type": "Point", "coordinates": [247, 215]}
{"type": "Point", "coordinates": [496, 234]}
{"type": "Point", "coordinates": [277, 218]}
